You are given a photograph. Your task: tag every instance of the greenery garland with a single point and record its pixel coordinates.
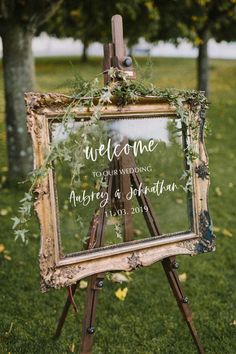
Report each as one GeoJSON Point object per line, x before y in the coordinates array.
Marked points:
{"type": "Point", "coordinates": [83, 95]}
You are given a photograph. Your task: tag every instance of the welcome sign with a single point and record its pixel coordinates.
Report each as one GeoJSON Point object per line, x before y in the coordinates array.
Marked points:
{"type": "Point", "coordinates": [138, 192]}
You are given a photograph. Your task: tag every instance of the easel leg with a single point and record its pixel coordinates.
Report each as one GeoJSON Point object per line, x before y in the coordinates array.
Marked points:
{"type": "Point", "coordinates": [64, 312]}
{"type": "Point", "coordinates": [94, 285]}
{"type": "Point", "coordinates": [90, 244]}
{"type": "Point", "coordinates": [96, 281]}
{"type": "Point", "coordinates": [169, 265]}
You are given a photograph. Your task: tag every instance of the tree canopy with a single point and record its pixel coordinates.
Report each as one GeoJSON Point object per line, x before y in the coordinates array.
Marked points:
{"type": "Point", "coordinates": [192, 18]}
{"type": "Point", "coordinates": [26, 13]}
{"type": "Point", "coordinates": [89, 20]}
{"type": "Point", "coordinates": [197, 21]}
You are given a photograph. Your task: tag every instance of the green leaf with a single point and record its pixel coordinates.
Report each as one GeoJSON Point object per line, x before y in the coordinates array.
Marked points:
{"type": "Point", "coordinates": [28, 197]}
{"type": "Point", "coordinates": [16, 220]}
{"type": "Point", "coordinates": [21, 234]}
{"type": "Point", "coordinates": [106, 96]}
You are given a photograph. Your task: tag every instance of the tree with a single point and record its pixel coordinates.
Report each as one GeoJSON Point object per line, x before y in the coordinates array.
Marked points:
{"type": "Point", "coordinates": [89, 20]}
{"type": "Point", "coordinates": [19, 20]}
{"type": "Point", "coordinates": [198, 21]}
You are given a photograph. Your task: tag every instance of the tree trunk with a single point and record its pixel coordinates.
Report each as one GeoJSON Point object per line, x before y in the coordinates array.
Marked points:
{"type": "Point", "coordinates": [202, 64]}
{"type": "Point", "coordinates": [18, 68]}
{"type": "Point", "coordinates": [84, 57]}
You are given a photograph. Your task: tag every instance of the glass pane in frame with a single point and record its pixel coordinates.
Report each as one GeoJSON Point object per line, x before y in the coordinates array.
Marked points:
{"type": "Point", "coordinates": [116, 150]}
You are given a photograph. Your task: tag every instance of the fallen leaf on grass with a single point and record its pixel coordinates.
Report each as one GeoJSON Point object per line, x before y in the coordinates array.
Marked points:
{"type": "Point", "coordinates": [183, 277]}
{"type": "Point", "coordinates": [112, 220]}
{"type": "Point", "coordinates": [119, 278]}
{"type": "Point", "coordinates": [2, 247]}
{"type": "Point", "coordinates": [84, 185]}
{"type": "Point", "coordinates": [137, 232]}
{"type": "Point", "coordinates": [65, 206]}
{"type": "Point", "coordinates": [218, 191]}
{"type": "Point", "coordinates": [179, 201]}
{"type": "Point", "coordinates": [83, 284]}
{"type": "Point", "coordinates": [216, 229]}
{"type": "Point", "coordinates": [121, 294]}
{"type": "Point", "coordinates": [72, 348]}
{"type": "Point", "coordinates": [8, 258]}
{"type": "Point", "coordinates": [3, 179]}
{"type": "Point", "coordinates": [233, 323]}
{"type": "Point", "coordinates": [227, 233]}
{"type": "Point", "coordinates": [3, 212]}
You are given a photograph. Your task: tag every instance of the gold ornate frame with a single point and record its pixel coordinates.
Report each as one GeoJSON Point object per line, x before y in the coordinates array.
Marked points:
{"type": "Point", "coordinates": [58, 270]}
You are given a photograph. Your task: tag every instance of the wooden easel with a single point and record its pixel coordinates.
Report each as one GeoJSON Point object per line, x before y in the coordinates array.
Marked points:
{"type": "Point", "coordinates": [114, 56]}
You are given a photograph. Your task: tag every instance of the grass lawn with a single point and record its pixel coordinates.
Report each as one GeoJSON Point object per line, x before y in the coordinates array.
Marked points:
{"type": "Point", "coordinates": [148, 321]}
